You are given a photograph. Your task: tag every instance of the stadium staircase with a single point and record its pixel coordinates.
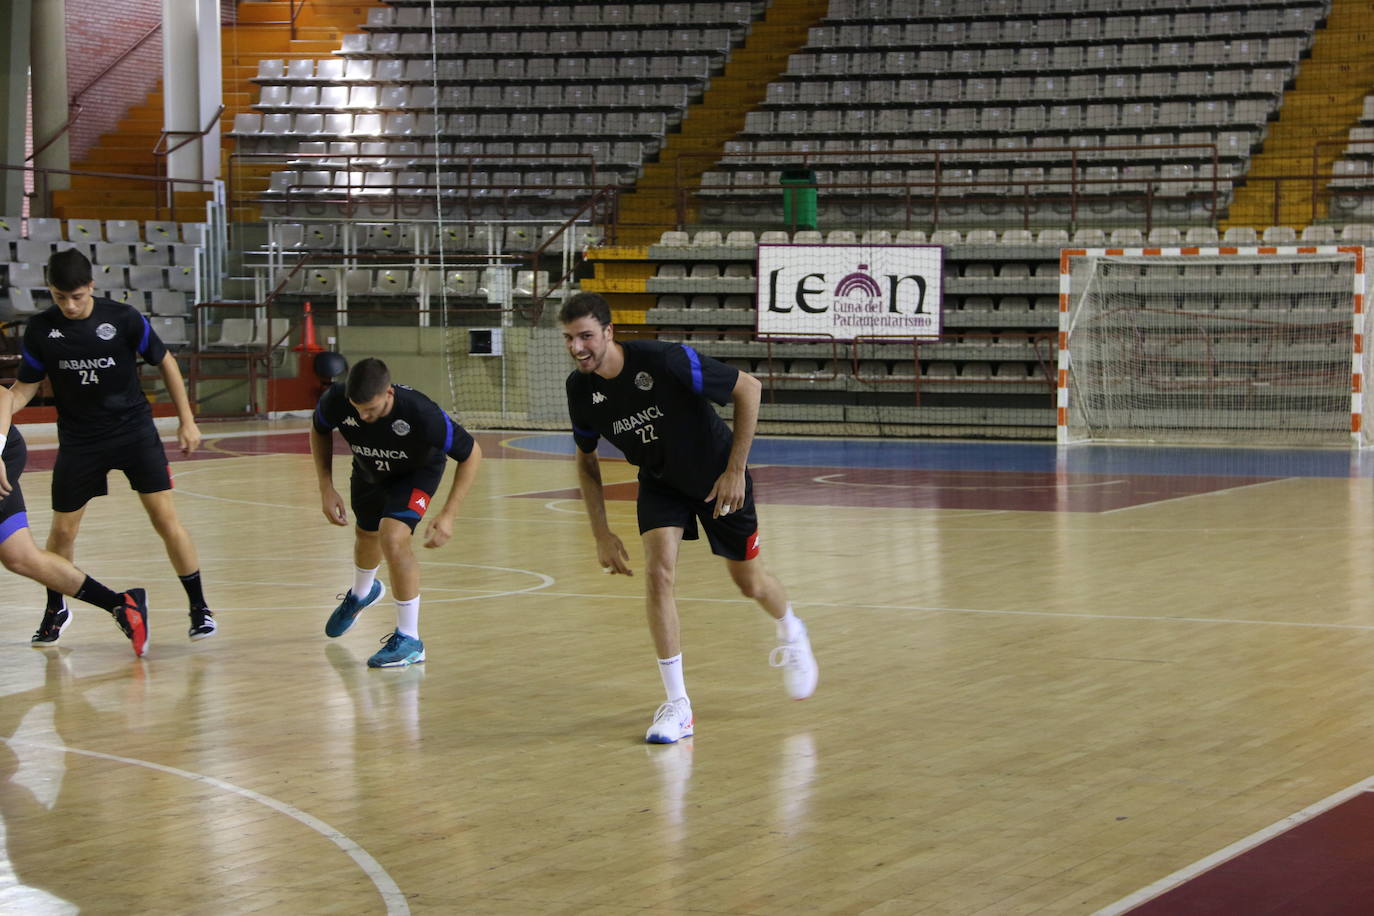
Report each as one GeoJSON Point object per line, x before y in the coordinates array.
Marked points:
{"type": "Point", "coordinates": [261, 32]}
{"type": "Point", "coordinates": [1322, 105]}
{"type": "Point", "coordinates": [651, 208]}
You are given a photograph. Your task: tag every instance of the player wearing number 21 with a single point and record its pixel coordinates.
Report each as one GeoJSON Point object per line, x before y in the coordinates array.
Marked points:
{"type": "Point", "coordinates": [650, 399]}
{"type": "Point", "coordinates": [400, 441]}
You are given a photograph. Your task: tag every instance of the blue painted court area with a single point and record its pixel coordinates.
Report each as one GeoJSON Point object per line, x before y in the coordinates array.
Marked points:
{"type": "Point", "coordinates": [1025, 456]}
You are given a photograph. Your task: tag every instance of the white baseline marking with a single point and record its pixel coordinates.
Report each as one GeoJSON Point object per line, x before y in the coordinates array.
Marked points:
{"type": "Point", "coordinates": [1362, 627]}
{"type": "Point", "coordinates": [1189, 872]}
{"type": "Point", "coordinates": [830, 479]}
{"type": "Point", "coordinates": [391, 893]}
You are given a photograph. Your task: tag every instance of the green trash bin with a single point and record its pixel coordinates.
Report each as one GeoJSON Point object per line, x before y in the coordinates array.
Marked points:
{"type": "Point", "coordinates": [798, 198]}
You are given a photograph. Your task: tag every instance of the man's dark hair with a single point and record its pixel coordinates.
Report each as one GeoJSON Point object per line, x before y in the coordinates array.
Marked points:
{"type": "Point", "coordinates": [584, 304]}
{"type": "Point", "coordinates": [68, 270]}
{"type": "Point", "coordinates": [367, 379]}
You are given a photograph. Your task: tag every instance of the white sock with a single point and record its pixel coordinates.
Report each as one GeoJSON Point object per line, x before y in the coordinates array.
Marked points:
{"type": "Point", "coordinates": [789, 626]}
{"type": "Point", "coordinates": [362, 580]}
{"type": "Point", "coordinates": [670, 669]}
{"type": "Point", "coordinates": [408, 617]}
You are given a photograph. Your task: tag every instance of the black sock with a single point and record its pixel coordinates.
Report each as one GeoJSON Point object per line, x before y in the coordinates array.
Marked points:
{"type": "Point", "coordinates": [92, 592]}
{"type": "Point", "coordinates": [194, 593]}
{"type": "Point", "coordinates": [56, 601]}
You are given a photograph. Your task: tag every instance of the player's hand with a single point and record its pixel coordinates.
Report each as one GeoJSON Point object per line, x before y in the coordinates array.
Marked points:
{"type": "Point", "coordinates": [188, 437]}
{"type": "Point", "coordinates": [439, 531]}
{"type": "Point", "coordinates": [728, 493]}
{"type": "Point", "coordinates": [5, 488]}
{"type": "Point", "coordinates": [611, 554]}
{"type": "Point", "coordinates": [332, 504]}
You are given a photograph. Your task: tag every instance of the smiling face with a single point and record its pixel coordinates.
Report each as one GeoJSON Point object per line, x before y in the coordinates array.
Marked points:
{"type": "Point", "coordinates": [74, 304]}
{"type": "Point", "coordinates": [373, 410]}
{"type": "Point", "coordinates": [592, 346]}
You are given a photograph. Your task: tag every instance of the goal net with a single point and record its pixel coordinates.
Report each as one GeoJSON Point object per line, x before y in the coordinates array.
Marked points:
{"type": "Point", "coordinates": [1257, 346]}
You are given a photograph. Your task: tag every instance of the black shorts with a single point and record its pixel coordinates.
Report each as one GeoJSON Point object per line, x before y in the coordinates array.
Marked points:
{"type": "Point", "coordinates": [404, 497]}
{"type": "Point", "coordinates": [12, 511]}
{"type": "Point", "coordinates": [734, 536]}
{"type": "Point", "coordinates": [80, 472]}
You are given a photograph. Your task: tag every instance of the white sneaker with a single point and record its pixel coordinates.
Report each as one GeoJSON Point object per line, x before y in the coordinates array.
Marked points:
{"type": "Point", "coordinates": [799, 669]}
{"type": "Point", "coordinates": [672, 722]}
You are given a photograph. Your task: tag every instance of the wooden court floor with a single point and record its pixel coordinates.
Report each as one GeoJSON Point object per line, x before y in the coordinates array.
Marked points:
{"type": "Point", "coordinates": [1047, 683]}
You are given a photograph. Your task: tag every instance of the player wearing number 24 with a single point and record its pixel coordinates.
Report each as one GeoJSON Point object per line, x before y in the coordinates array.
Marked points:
{"type": "Point", "coordinates": [401, 441]}
{"type": "Point", "coordinates": [650, 399]}
{"type": "Point", "coordinates": [89, 348]}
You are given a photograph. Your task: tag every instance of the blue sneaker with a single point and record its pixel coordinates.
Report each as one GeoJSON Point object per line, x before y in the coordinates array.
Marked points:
{"type": "Point", "coordinates": [349, 609]}
{"type": "Point", "coordinates": [397, 651]}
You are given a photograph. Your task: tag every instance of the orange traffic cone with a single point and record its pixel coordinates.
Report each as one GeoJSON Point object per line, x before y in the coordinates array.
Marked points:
{"type": "Point", "coordinates": [308, 344]}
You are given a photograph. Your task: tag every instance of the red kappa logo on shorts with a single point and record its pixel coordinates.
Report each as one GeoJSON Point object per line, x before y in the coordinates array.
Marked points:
{"type": "Point", "coordinates": [751, 546]}
{"type": "Point", "coordinates": [419, 501]}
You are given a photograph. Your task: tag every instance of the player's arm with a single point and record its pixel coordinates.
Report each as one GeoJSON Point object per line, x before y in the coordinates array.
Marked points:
{"type": "Point", "coordinates": [610, 550]}
{"type": "Point", "coordinates": [188, 433]}
{"type": "Point", "coordinates": [21, 393]}
{"type": "Point", "coordinates": [322, 454]}
{"type": "Point", "coordinates": [728, 492]}
{"type": "Point", "coordinates": [441, 526]}
{"type": "Point", "coordinates": [6, 417]}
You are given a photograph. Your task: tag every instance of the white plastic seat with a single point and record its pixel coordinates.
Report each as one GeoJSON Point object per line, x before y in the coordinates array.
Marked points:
{"type": "Point", "coordinates": [27, 276]}
{"type": "Point", "coordinates": [172, 331]}
{"type": "Point", "coordinates": [147, 278]}
{"type": "Point", "coordinates": [168, 302]}
{"type": "Point", "coordinates": [84, 230]}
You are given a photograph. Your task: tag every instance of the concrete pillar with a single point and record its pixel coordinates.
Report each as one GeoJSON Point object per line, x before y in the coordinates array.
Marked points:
{"type": "Point", "coordinates": [14, 100]}
{"type": "Point", "coordinates": [211, 85]}
{"type": "Point", "coordinates": [48, 56]}
{"type": "Point", "coordinates": [181, 87]}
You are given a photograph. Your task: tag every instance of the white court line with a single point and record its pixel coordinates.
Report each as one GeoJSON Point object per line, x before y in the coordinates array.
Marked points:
{"type": "Point", "coordinates": [830, 480]}
{"type": "Point", "coordinates": [1175, 499]}
{"type": "Point", "coordinates": [1187, 873]}
{"type": "Point", "coordinates": [391, 894]}
{"type": "Point", "coordinates": [996, 612]}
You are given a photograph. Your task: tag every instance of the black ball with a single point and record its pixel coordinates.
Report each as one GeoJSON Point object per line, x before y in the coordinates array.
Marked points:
{"type": "Point", "coordinates": [330, 365]}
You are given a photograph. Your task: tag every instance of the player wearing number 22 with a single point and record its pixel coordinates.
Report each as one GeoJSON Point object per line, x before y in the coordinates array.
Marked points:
{"type": "Point", "coordinates": [650, 399]}
{"type": "Point", "coordinates": [89, 349]}
{"type": "Point", "coordinates": [400, 441]}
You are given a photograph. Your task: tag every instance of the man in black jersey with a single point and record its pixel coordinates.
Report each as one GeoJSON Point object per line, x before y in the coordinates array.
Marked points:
{"type": "Point", "coordinates": [649, 399]}
{"type": "Point", "coordinates": [400, 440]}
{"type": "Point", "coordinates": [89, 349]}
{"type": "Point", "coordinates": [21, 555]}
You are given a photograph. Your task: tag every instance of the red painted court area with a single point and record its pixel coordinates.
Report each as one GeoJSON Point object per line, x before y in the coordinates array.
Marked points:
{"type": "Point", "coordinates": [1029, 491]}
{"type": "Point", "coordinates": [1322, 867]}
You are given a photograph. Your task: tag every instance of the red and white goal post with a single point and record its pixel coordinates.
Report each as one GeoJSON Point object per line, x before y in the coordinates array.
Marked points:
{"type": "Point", "coordinates": [1225, 345]}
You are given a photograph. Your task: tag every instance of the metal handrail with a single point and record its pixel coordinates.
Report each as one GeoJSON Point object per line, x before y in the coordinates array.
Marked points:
{"type": "Point", "coordinates": [291, 21]}
{"type": "Point", "coordinates": [75, 102]}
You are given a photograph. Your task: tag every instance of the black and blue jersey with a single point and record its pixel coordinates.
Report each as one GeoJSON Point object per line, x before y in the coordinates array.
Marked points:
{"type": "Point", "coordinates": [656, 411]}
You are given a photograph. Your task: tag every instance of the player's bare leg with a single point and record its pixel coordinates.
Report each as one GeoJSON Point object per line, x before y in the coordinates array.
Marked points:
{"type": "Point", "coordinates": [20, 555]}
{"type": "Point", "coordinates": [162, 512]}
{"type": "Point", "coordinates": [62, 532]}
{"type": "Point", "coordinates": [61, 541]}
{"type": "Point", "coordinates": [673, 720]}
{"type": "Point", "coordinates": [181, 550]}
{"type": "Point", "coordinates": [793, 653]}
{"type": "Point", "coordinates": [403, 646]}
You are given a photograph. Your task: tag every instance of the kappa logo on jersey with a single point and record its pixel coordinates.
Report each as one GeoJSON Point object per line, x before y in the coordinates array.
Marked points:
{"type": "Point", "coordinates": [400, 427]}
{"type": "Point", "coordinates": [105, 331]}
{"type": "Point", "coordinates": [644, 381]}
{"type": "Point", "coordinates": [597, 397]}
{"type": "Point", "coordinates": [349, 421]}
{"type": "Point", "coordinates": [419, 501]}
{"type": "Point", "coordinates": [54, 333]}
